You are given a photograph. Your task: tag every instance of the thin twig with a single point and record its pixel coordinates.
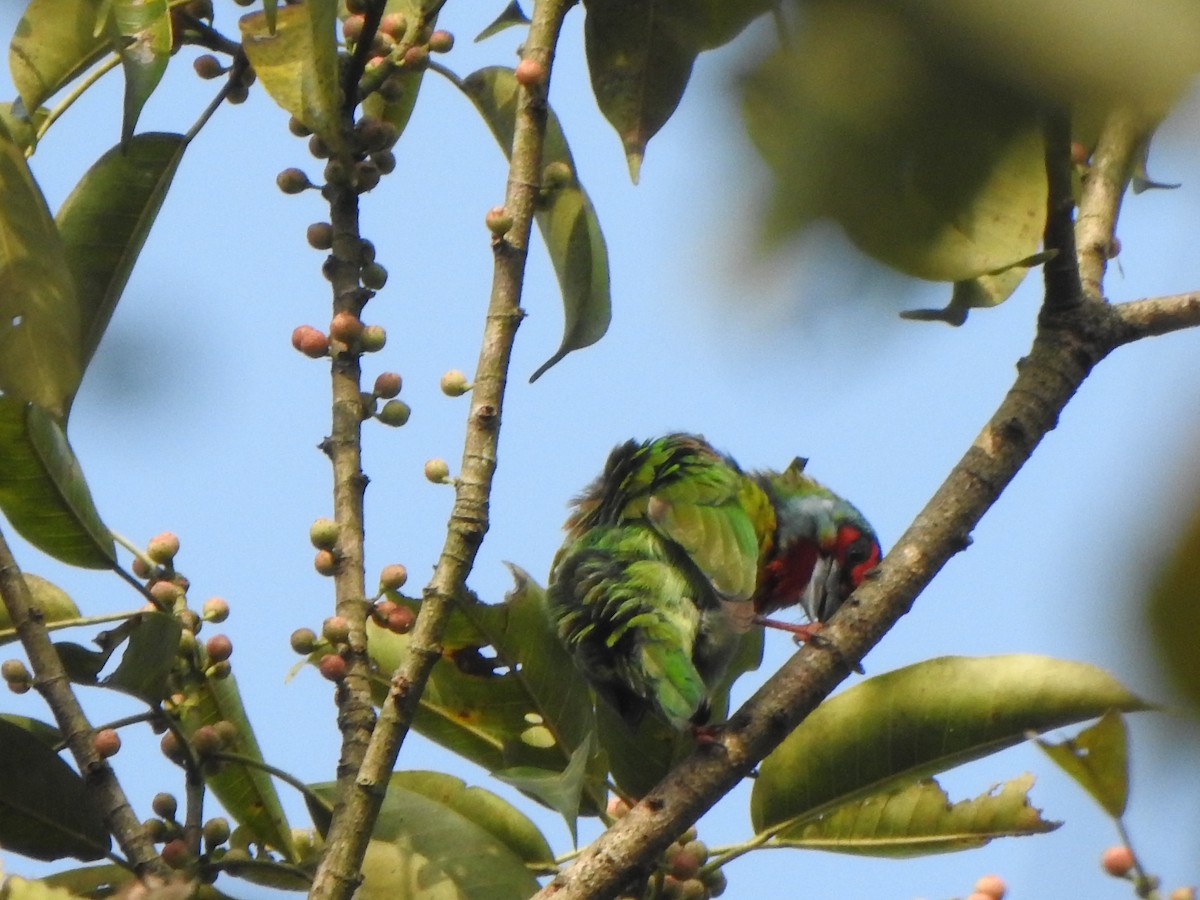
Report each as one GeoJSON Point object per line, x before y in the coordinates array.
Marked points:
{"type": "Point", "coordinates": [1061, 271]}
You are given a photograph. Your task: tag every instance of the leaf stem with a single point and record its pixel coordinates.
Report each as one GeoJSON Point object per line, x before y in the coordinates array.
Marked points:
{"type": "Point", "coordinates": [74, 94]}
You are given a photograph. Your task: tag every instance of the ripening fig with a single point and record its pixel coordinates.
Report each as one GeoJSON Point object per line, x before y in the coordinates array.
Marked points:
{"type": "Point", "coordinates": [298, 128]}
{"type": "Point", "coordinates": [215, 610]}
{"type": "Point", "coordinates": [1117, 861]}
{"type": "Point", "coordinates": [352, 28]}
{"type": "Point", "coordinates": [206, 741]}
{"type": "Point", "coordinates": [323, 534]}
{"type": "Point", "coordinates": [215, 831]}
{"type": "Point", "coordinates": [394, 413]}
{"type": "Point", "coordinates": [317, 147]}
{"type": "Point", "coordinates": [498, 220]}
{"type": "Point", "coordinates": [441, 42]}
{"type": "Point", "coordinates": [387, 385]}
{"type": "Point", "coordinates": [366, 176]}
{"type": "Point", "coordinates": [400, 620]}
{"type": "Point", "coordinates": [991, 886]}
{"type": "Point", "coordinates": [325, 562]}
{"type": "Point", "coordinates": [162, 547]}
{"type": "Point", "coordinates": [312, 343]}
{"type": "Point", "coordinates": [177, 854]}
{"type": "Point", "coordinates": [336, 629]}
{"type": "Point", "coordinates": [106, 742]}
{"type": "Point", "coordinates": [381, 610]}
{"type": "Point", "coordinates": [167, 593]}
{"type": "Point", "coordinates": [437, 470]}
{"type": "Point", "coordinates": [373, 339]}
{"type": "Point", "coordinates": [454, 383]}
{"type": "Point", "coordinates": [219, 648]}
{"type": "Point", "coordinates": [14, 671]}
{"type": "Point", "coordinates": [416, 57]}
{"type": "Point", "coordinates": [293, 181]}
{"type": "Point", "coordinates": [332, 667]}
{"type": "Point", "coordinates": [346, 327]}
{"type": "Point", "coordinates": [304, 641]}
{"type": "Point", "coordinates": [165, 806]}
{"type": "Point", "coordinates": [392, 577]}
{"type": "Point", "coordinates": [319, 235]}
{"type": "Point", "coordinates": [530, 72]}
{"type": "Point", "coordinates": [374, 276]}
{"type": "Point", "coordinates": [208, 67]}
{"type": "Point", "coordinates": [394, 25]}
{"type": "Point", "coordinates": [172, 747]}
{"type": "Point", "coordinates": [140, 567]}
{"type": "Point", "coordinates": [385, 161]}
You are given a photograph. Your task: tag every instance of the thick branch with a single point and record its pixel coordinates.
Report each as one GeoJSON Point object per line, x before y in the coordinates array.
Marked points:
{"type": "Point", "coordinates": [355, 817]}
{"type": "Point", "coordinates": [51, 681]}
{"type": "Point", "coordinates": [1071, 339]}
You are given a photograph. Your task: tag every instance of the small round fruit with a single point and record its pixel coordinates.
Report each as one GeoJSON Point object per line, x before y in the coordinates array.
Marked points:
{"type": "Point", "coordinates": [176, 853]}
{"type": "Point", "coordinates": [163, 547]}
{"type": "Point", "coordinates": [394, 413]}
{"type": "Point", "coordinates": [293, 181]}
{"type": "Point", "coordinates": [106, 742]}
{"type": "Point", "coordinates": [208, 66]}
{"type": "Point", "coordinates": [991, 886]}
{"type": "Point", "coordinates": [385, 161]}
{"type": "Point", "coordinates": [346, 327]}
{"type": "Point", "coordinates": [215, 610]}
{"type": "Point", "coordinates": [530, 72]}
{"type": "Point", "coordinates": [374, 276]}
{"type": "Point", "coordinates": [394, 25]}
{"type": "Point", "coordinates": [366, 176]}
{"type": "Point", "coordinates": [219, 648]}
{"type": "Point", "coordinates": [312, 343]}
{"type": "Point", "coordinates": [140, 567]}
{"type": "Point", "coordinates": [498, 221]}
{"type": "Point", "coordinates": [557, 174]}
{"type": "Point", "coordinates": [172, 747]}
{"type": "Point", "coordinates": [352, 28]}
{"type": "Point", "coordinates": [416, 57]}
{"type": "Point", "coordinates": [319, 235]}
{"type": "Point", "coordinates": [437, 470]}
{"type": "Point", "coordinates": [167, 593]}
{"type": "Point", "coordinates": [381, 610]}
{"type": "Point", "coordinates": [336, 629]}
{"type": "Point", "coordinates": [325, 562]}
{"type": "Point", "coordinates": [454, 383]}
{"type": "Point", "coordinates": [216, 831]}
{"type": "Point", "coordinates": [332, 667]}
{"type": "Point", "coordinates": [237, 93]}
{"type": "Point", "coordinates": [165, 805]}
{"type": "Point", "coordinates": [400, 620]}
{"type": "Point", "coordinates": [375, 134]}
{"type": "Point", "coordinates": [206, 741]}
{"type": "Point", "coordinates": [298, 128]}
{"type": "Point", "coordinates": [304, 641]}
{"type": "Point", "coordinates": [1080, 153]}
{"type": "Point", "coordinates": [387, 385]}
{"type": "Point", "coordinates": [393, 577]}
{"type": "Point", "coordinates": [1117, 861]}
{"type": "Point", "coordinates": [441, 42]}
{"type": "Point", "coordinates": [617, 808]}
{"type": "Point", "coordinates": [14, 671]}
{"type": "Point", "coordinates": [373, 339]}
{"type": "Point", "coordinates": [323, 534]}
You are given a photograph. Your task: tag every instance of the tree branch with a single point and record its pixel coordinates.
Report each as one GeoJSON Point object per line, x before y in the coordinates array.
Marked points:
{"type": "Point", "coordinates": [354, 818]}
{"type": "Point", "coordinates": [51, 681]}
{"type": "Point", "coordinates": [1071, 339]}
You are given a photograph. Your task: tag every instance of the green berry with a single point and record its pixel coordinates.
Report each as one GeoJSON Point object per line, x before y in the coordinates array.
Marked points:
{"type": "Point", "coordinates": [215, 610]}
{"type": "Point", "coordinates": [437, 470]}
{"type": "Point", "coordinates": [323, 534]}
{"type": "Point", "coordinates": [304, 641]}
{"type": "Point", "coordinates": [208, 66]}
{"type": "Point", "coordinates": [394, 413]}
{"type": "Point", "coordinates": [454, 383]}
{"type": "Point", "coordinates": [216, 832]}
{"type": "Point", "coordinates": [373, 339]}
{"type": "Point", "coordinates": [163, 547]}
{"type": "Point", "coordinates": [374, 276]}
{"type": "Point", "coordinates": [557, 174]}
{"type": "Point", "coordinates": [498, 221]}
{"type": "Point", "coordinates": [165, 806]}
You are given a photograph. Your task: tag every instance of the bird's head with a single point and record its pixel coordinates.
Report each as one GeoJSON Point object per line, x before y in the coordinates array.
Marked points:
{"type": "Point", "coordinates": [823, 547]}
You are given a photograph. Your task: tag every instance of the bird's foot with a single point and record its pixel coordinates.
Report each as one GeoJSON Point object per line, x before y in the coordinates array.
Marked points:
{"type": "Point", "coordinates": [800, 633]}
{"type": "Point", "coordinates": [706, 735]}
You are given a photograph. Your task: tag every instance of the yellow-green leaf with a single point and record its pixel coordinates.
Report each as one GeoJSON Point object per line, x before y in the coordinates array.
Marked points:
{"type": "Point", "coordinates": [55, 41]}
{"type": "Point", "coordinates": [1173, 607]}
{"type": "Point", "coordinates": [51, 601]}
{"type": "Point", "coordinates": [297, 60]}
{"type": "Point", "coordinates": [1097, 758]}
{"type": "Point", "coordinates": [143, 32]}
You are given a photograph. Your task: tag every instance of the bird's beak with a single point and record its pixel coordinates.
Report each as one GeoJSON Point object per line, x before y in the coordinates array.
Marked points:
{"type": "Point", "coordinates": [823, 595]}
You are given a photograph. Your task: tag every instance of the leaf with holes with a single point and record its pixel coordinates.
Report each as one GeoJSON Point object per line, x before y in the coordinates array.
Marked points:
{"type": "Point", "coordinates": [1097, 758]}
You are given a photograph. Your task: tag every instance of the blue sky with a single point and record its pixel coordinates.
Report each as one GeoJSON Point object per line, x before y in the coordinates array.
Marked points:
{"type": "Point", "coordinates": [198, 417]}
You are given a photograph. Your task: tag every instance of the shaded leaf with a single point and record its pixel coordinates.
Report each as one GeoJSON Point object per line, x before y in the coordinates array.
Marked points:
{"type": "Point", "coordinates": [104, 882]}
{"type": "Point", "coordinates": [147, 661]}
{"type": "Point", "coordinates": [561, 791]}
{"type": "Point", "coordinates": [1097, 758]}
{"type": "Point", "coordinates": [989, 289]}
{"type": "Point", "coordinates": [1173, 607]}
{"type": "Point", "coordinates": [511, 15]}
{"type": "Point", "coordinates": [919, 819]}
{"type": "Point", "coordinates": [48, 734]}
{"type": "Point", "coordinates": [42, 491]}
{"type": "Point", "coordinates": [143, 31]}
{"type": "Point", "coordinates": [297, 61]}
{"type": "Point", "coordinates": [566, 218]}
{"type": "Point", "coordinates": [83, 665]}
{"type": "Point", "coordinates": [45, 808]}
{"type": "Point", "coordinates": [404, 84]}
{"type": "Point", "coordinates": [52, 602]}
{"type": "Point", "coordinates": [436, 839]}
{"type": "Point", "coordinates": [39, 318]}
{"type": "Point", "coordinates": [921, 720]}
{"type": "Point", "coordinates": [105, 220]}
{"type": "Point", "coordinates": [55, 41]}
{"type": "Point", "coordinates": [246, 792]}
{"type": "Point", "coordinates": [21, 128]}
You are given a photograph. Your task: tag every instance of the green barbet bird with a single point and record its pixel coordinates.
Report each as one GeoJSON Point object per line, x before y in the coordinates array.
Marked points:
{"type": "Point", "coordinates": [674, 552]}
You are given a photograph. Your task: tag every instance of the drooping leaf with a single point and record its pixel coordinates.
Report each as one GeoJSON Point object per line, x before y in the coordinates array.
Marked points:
{"type": "Point", "coordinates": [511, 15]}
{"type": "Point", "coordinates": [39, 318]}
{"type": "Point", "coordinates": [105, 220]}
{"type": "Point", "coordinates": [297, 60]}
{"type": "Point", "coordinates": [147, 661]}
{"type": "Point", "coordinates": [640, 55]}
{"type": "Point", "coordinates": [1097, 758]}
{"type": "Point", "coordinates": [437, 839]}
{"type": "Point", "coordinates": [1173, 606]}
{"type": "Point", "coordinates": [52, 602]}
{"type": "Point", "coordinates": [46, 811]}
{"type": "Point", "coordinates": [561, 791]}
{"type": "Point", "coordinates": [565, 218]}
{"type": "Point", "coordinates": [918, 819]}
{"type": "Point", "coordinates": [42, 491]}
{"type": "Point", "coordinates": [920, 720]}
{"type": "Point", "coordinates": [505, 694]}
{"type": "Point", "coordinates": [143, 32]}
{"type": "Point", "coordinates": [989, 289]}
{"type": "Point", "coordinates": [55, 41]}
{"type": "Point", "coordinates": [246, 791]}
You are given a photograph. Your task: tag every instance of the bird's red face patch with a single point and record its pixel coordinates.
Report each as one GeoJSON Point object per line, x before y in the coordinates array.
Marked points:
{"type": "Point", "coordinates": [857, 554]}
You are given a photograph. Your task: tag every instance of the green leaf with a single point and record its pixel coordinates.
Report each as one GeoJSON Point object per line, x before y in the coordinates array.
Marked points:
{"type": "Point", "coordinates": [105, 882]}
{"type": "Point", "coordinates": [149, 658]}
{"type": "Point", "coordinates": [505, 693]}
{"type": "Point", "coordinates": [561, 791]}
{"type": "Point", "coordinates": [920, 720]}
{"type": "Point", "coordinates": [55, 41]}
{"type": "Point", "coordinates": [39, 318]}
{"type": "Point", "coordinates": [246, 791]}
{"type": "Point", "coordinates": [989, 289]}
{"type": "Point", "coordinates": [511, 15]}
{"type": "Point", "coordinates": [51, 601]}
{"type": "Point", "coordinates": [396, 108]}
{"type": "Point", "coordinates": [42, 491]}
{"type": "Point", "coordinates": [48, 734]}
{"type": "Point", "coordinates": [45, 808]}
{"type": "Point", "coordinates": [437, 839]}
{"type": "Point", "coordinates": [143, 29]}
{"type": "Point", "coordinates": [1173, 606]}
{"type": "Point", "coordinates": [566, 217]}
{"type": "Point", "coordinates": [918, 819]}
{"type": "Point", "coordinates": [22, 129]}
{"type": "Point", "coordinates": [105, 220]}
{"type": "Point", "coordinates": [1097, 759]}
{"type": "Point", "coordinates": [297, 61]}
